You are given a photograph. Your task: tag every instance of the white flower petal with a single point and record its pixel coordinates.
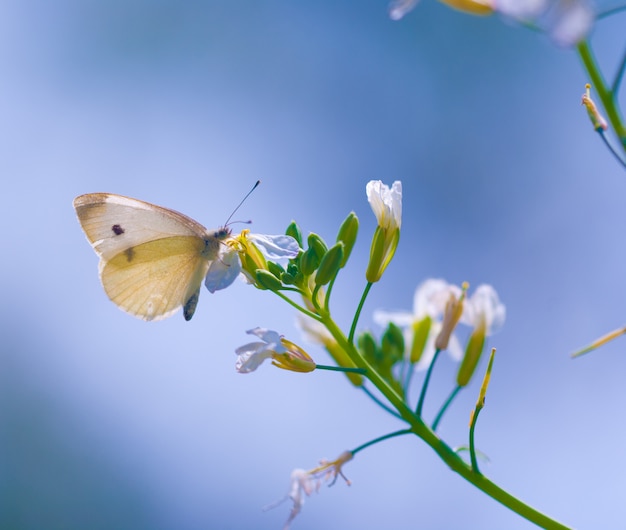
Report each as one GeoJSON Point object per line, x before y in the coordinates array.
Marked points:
{"type": "Point", "coordinates": [251, 347]}
{"type": "Point", "coordinates": [572, 21]}
{"type": "Point", "coordinates": [484, 302]}
{"type": "Point", "coordinates": [399, 318]}
{"type": "Point", "coordinates": [386, 203]}
{"type": "Point", "coordinates": [431, 297]}
{"type": "Point", "coordinates": [276, 247]}
{"type": "Point", "coordinates": [270, 337]}
{"type": "Point", "coordinates": [249, 361]}
{"type": "Point", "coordinates": [399, 8]}
{"type": "Point", "coordinates": [223, 271]}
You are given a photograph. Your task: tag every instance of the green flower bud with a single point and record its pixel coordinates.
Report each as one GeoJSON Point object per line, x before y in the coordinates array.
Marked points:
{"type": "Point", "coordinates": [276, 269]}
{"type": "Point", "coordinates": [369, 348]}
{"type": "Point", "coordinates": [347, 235]}
{"type": "Point", "coordinates": [330, 264]}
{"type": "Point", "coordinates": [472, 355]}
{"type": "Point", "coordinates": [309, 261]}
{"type": "Point", "coordinates": [392, 343]}
{"type": "Point", "coordinates": [294, 231]}
{"type": "Point", "coordinates": [317, 245]}
{"type": "Point", "coordinates": [267, 280]}
{"type": "Point", "coordinates": [421, 329]}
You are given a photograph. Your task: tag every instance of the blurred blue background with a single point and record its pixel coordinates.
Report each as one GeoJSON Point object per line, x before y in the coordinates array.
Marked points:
{"type": "Point", "coordinates": [110, 422]}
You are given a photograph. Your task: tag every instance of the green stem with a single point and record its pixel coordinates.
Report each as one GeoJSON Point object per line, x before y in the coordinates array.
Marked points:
{"type": "Point", "coordinates": [298, 306]}
{"type": "Point", "coordinates": [445, 406]}
{"type": "Point", "coordinates": [606, 96]}
{"type": "Point", "coordinates": [380, 403]}
{"type": "Point", "coordinates": [472, 447]}
{"type": "Point", "coordinates": [355, 320]}
{"type": "Point", "coordinates": [619, 75]}
{"type": "Point", "coordinates": [381, 439]}
{"type": "Point", "coordinates": [445, 452]}
{"type": "Point", "coordinates": [610, 148]}
{"type": "Point", "coordinates": [328, 291]}
{"type": "Point", "coordinates": [420, 403]}
{"type": "Point", "coordinates": [340, 369]}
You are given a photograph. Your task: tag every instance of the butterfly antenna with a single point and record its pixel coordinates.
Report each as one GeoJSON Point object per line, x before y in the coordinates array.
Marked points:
{"type": "Point", "coordinates": [242, 201]}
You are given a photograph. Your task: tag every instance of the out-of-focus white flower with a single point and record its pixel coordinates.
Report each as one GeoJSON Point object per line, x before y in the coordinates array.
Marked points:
{"type": "Point", "coordinates": [303, 483]}
{"type": "Point", "coordinates": [429, 304]}
{"type": "Point", "coordinates": [484, 309]}
{"type": "Point", "coordinates": [566, 21]}
{"type": "Point", "coordinates": [485, 312]}
{"type": "Point", "coordinates": [386, 204]}
{"type": "Point", "coordinates": [399, 8]}
{"type": "Point", "coordinates": [284, 353]}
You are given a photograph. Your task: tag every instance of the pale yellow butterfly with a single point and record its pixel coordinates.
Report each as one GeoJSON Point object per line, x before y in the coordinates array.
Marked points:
{"type": "Point", "coordinates": [152, 259]}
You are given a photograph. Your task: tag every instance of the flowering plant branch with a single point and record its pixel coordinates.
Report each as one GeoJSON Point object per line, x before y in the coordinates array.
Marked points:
{"type": "Point", "coordinates": [410, 342]}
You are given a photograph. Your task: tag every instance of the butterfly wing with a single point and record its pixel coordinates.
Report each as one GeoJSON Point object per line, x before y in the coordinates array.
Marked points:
{"type": "Point", "coordinates": [152, 280]}
{"type": "Point", "coordinates": [152, 259]}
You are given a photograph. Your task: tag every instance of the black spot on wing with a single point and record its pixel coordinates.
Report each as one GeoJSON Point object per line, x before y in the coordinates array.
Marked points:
{"type": "Point", "coordinates": [130, 254]}
{"type": "Point", "coordinates": [117, 230]}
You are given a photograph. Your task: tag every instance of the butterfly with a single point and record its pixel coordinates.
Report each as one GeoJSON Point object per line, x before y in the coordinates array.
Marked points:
{"type": "Point", "coordinates": [152, 259]}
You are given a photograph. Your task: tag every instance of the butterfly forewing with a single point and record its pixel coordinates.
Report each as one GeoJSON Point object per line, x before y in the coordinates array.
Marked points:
{"type": "Point", "coordinates": [114, 223]}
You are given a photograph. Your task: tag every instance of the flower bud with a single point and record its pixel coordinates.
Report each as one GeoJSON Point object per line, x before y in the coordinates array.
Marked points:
{"type": "Point", "coordinates": [267, 280]}
{"type": "Point", "coordinates": [309, 262]}
{"type": "Point", "coordinates": [330, 264]}
{"type": "Point", "coordinates": [347, 235]}
{"type": "Point", "coordinates": [294, 231]}
{"type": "Point", "coordinates": [317, 245]}
{"type": "Point", "coordinates": [421, 329]}
{"type": "Point", "coordinates": [368, 347]}
{"type": "Point", "coordinates": [473, 352]}
{"type": "Point", "coordinates": [392, 343]}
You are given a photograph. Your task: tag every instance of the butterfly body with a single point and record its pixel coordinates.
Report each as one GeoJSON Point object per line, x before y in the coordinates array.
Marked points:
{"type": "Point", "coordinates": [152, 259]}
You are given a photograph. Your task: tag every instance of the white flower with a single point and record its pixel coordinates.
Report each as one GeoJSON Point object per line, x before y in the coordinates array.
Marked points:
{"type": "Point", "coordinates": [484, 308]}
{"type": "Point", "coordinates": [284, 354]}
{"type": "Point", "coordinates": [303, 483]}
{"type": "Point", "coordinates": [429, 302]}
{"type": "Point", "coordinates": [386, 204]}
{"type": "Point", "coordinates": [223, 270]}
{"type": "Point", "coordinates": [399, 8]}
{"type": "Point", "coordinates": [566, 21]}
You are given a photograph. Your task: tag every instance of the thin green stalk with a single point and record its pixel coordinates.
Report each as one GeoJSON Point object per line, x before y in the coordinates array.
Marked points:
{"type": "Point", "coordinates": [328, 291]}
{"type": "Point", "coordinates": [445, 406]}
{"type": "Point", "coordinates": [409, 375]}
{"type": "Point", "coordinates": [381, 439]}
{"type": "Point", "coordinates": [340, 369]}
{"type": "Point", "coordinates": [472, 447]}
{"type": "Point", "coordinates": [379, 402]}
{"type": "Point", "coordinates": [420, 403]}
{"type": "Point", "coordinates": [619, 75]}
{"type": "Point", "coordinates": [355, 320]}
{"type": "Point", "coordinates": [445, 452]}
{"type": "Point", "coordinates": [604, 93]}
{"type": "Point", "coordinates": [298, 306]}
{"type": "Point", "coordinates": [610, 148]}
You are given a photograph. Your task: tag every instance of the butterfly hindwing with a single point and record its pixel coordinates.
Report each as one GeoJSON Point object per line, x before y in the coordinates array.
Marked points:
{"type": "Point", "coordinates": [152, 280]}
